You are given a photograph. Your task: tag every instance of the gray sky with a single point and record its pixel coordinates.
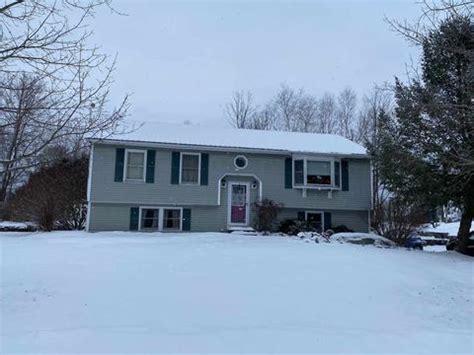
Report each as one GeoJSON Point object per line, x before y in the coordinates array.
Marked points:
{"type": "Point", "coordinates": [182, 60]}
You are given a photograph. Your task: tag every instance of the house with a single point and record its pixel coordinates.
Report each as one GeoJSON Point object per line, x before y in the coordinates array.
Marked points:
{"type": "Point", "coordinates": [165, 177]}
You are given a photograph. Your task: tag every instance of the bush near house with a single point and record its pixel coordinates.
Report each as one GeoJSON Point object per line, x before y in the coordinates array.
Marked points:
{"type": "Point", "coordinates": [267, 212]}
{"type": "Point", "coordinates": [54, 196]}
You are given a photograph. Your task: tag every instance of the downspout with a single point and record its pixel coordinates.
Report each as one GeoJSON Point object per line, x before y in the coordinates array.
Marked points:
{"type": "Point", "coordinates": [89, 188]}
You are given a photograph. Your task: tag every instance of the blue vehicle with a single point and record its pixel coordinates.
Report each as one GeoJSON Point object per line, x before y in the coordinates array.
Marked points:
{"type": "Point", "coordinates": [414, 243]}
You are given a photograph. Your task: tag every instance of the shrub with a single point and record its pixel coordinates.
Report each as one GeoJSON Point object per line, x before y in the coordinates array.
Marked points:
{"type": "Point", "coordinates": [267, 212]}
{"type": "Point", "coordinates": [400, 220]}
{"type": "Point", "coordinates": [54, 196]}
{"type": "Point", "coordinates": [295, 226]}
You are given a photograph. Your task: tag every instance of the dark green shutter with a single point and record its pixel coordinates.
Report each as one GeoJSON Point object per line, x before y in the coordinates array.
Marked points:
{"type": "Point", "coordinates": [288, 173]}
{"type": "Point", "coordinates": [175, 156]}
{"type": "Point", "coordinates": [119, 161]}
{"type": "Point", "coordinates": [337, 173]}
{"type": "Point", "coordinates": [345, 175]}
{"type": "Point", "coordinates": [204, 169]}
{"type": "Point", "coordinates": [150, 166]}
{"type": "Point", "coordinates": [327, 221]}
{"type": "Point", "coordinates": [134, 212]}
{"type": "Point", "coordinates": [301, 215]}
{"type": "Point", "coordinates": [186, 219]}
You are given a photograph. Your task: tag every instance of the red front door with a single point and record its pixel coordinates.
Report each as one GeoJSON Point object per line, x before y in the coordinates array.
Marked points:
{"type": "Point", "coordinates": [238, 203]}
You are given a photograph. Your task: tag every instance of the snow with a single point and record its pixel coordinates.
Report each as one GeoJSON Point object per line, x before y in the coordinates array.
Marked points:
{"type": "Point", "coordinates": [14, 225]}
{"type": "Point", "coordinates": [435, 248]}
{"type": "Point", "coordinates": [450, 228]}
{"type": "Point", "coordinates": [355, 237]}
{"type": "Point", "coordinates": [294, 142]}
{"type": "Point", "coordinates": [119, 292]}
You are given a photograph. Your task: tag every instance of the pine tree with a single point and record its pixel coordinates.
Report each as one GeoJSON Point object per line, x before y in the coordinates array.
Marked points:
{"type": "Point", "coordinates": [427, 149]}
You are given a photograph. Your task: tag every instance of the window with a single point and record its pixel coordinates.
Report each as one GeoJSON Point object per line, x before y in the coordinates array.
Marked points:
{"type": "Point", "coordinates": [154, 219]}
{"type": "Point", "coordinates": [309, 172]}
{"type": "Point", "coordinates": [135, 165]}
{"type": "Point", "coordinates": [240, 162]}
{"type": "Point", "coordinates": [190, 168]}
{"type": "Point", "coordinates": [299, 172]}
{"type": "Point", "coordinates": [150, 218]}
{"type": "Point", "coordinates": [315, 221]}
{"type": "Point", "coordinates": [318, 173]}
{"type": "Point", "coordinates": [171, 219]}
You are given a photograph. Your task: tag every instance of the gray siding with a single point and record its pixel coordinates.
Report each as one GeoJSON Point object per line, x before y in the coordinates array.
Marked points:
{"type": "Point", "coordinates": [111, 201]}
{"type": "Point", "coordinates": [269, 168]}
{"type": "Point", "coordinates": [355, 220]}
{"type": "Point", "coordinates": [116, 217]}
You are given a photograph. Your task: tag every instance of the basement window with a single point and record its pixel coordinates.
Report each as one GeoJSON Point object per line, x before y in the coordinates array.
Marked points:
{"type": "Point", "coordinates": [171, 219]}
{"type": "Point", "coordinates": [150, 218]}
{"type": "Point", "coordinates": [315, 221]}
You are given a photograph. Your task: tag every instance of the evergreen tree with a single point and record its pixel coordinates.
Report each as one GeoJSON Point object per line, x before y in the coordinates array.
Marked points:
{"type": "Point", "coordinates": [426, 151]}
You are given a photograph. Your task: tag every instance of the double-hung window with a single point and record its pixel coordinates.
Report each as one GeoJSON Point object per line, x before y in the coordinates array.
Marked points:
{"type": "Point", "coordinates": [190, 168]}
{"type": "Point", "coordinates": [149, 219]}
{"type": "Point", "coordinates": [135, 165]}
{"type": "Point", "coordinates": [171, 219]}
{"type": "Point", "coordinates": [313, 172]}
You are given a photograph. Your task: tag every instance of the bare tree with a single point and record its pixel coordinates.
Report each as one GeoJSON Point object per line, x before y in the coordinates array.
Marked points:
{"type": "Point", "coordinates": [346, 113]}
{"type": "Point", "coordinates": [306, 113]}
{"type": "Point", "coordinates": [378, 102]}
{"type": "Point", "coordinates": [241, 110]}
{"type": "Point", "coordinates": [54, 88]}
{"type": "Point", "coordinates": [325, 118]}
{"type": "Point", "coordinates": [285, 106]}
{"type": "Point", "coordinates": [39, 35]}
{"type": "Point", "coordinates": [263, 119]}
{"type": "Point", "coordinates": [432, 12]}
{"type": "Point", "coordinates": [379, 99]}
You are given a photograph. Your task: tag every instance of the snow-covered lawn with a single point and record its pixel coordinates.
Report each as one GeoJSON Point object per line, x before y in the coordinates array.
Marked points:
{"type": "Point", "coordinates": [123, 292]}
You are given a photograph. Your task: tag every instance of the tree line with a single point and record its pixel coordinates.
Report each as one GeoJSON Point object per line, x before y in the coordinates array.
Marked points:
{"type": "Point", "coordinates": [296, 110]}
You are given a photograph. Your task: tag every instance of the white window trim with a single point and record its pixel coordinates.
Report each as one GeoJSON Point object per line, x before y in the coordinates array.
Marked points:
{"type": "Point", "coordinates": [125, 178]}
{"type": "Point", "coordinates": [246, 162]}
{"type": "Point", "coordinates": [229, 204]}
{"type": "Point", "coordinates": [181, 169]}
{"type": "Point", "coordinates": [305, 184]}
{"type": "Point", "coordinates": [161, 213]}
{"type": "Point", "coordinates": [316, 212]}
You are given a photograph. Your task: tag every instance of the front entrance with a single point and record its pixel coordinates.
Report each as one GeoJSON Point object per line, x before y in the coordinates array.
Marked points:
{"type": "Point", "coordinates": [238, 204]}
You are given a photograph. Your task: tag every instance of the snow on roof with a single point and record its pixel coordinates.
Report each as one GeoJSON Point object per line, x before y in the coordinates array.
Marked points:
{"type": "Point", "coordinates": [295, 142]}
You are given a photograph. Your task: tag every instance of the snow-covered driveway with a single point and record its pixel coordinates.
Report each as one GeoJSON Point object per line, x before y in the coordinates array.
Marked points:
{"type": "Point", "coordinates": [122, 292]}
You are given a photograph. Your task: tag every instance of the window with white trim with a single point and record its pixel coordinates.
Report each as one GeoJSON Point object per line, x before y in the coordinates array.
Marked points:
{"type": "Point", "coordinates": [135, 165]}
{"type": "Point", "coordinates": [154, 219]}
{"type": "Point", "coordinates": [190, 168]}
{"type": "Point", "coordinates": [149, 219]}
{"type": "Point", "coordinates": [171, 219]}
{"type": "Point", "coordinates": [240, 162]}
{"type": "Point", "coordinates": [313, 172]}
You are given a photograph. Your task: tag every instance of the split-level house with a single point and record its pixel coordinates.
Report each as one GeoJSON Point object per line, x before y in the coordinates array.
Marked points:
{"type": "Point", "coordinates": [165, 177]}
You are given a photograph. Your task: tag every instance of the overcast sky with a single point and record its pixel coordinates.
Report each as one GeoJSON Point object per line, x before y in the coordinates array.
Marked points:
{"type": "Point", "coordinates": [182, 60]}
